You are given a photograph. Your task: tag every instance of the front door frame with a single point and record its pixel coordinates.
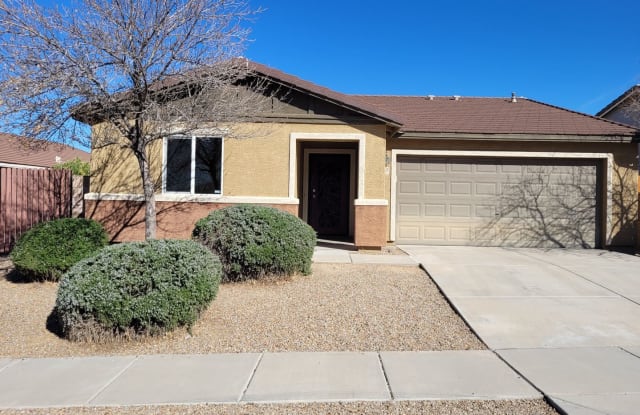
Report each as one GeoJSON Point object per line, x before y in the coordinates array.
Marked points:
{"type": "Point", "coordinates": [352, 178]}
{"type": "Point", "coordinates": [295, 138]}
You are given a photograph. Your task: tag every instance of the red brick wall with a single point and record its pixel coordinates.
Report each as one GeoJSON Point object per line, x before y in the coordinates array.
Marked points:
{"type": "Point", "coordinates": [371, 226]}
{"type": "Point", "coordinates": [124, 220]}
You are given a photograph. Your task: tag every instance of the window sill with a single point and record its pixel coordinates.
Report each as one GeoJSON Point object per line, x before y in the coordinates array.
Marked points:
{"type": "Point", "coordinates": [190, 198]}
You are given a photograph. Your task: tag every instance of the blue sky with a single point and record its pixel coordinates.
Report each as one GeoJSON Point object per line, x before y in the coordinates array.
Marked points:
{"type": "Point", "coordinates": [575, 54]}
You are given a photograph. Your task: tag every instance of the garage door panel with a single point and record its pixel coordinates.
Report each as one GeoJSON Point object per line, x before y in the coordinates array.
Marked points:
{"type": "Point", "coordinates": [438, 210]}
{"type": "Point", "coordinates": [435, 188]}
{"type": "Point", "coordinates": [413, 165]}
{"type": "Point", "coordinates": [460, 168]}
{"type": "Point", "coordinates": [409, 209]}
{"type": "Point", "coordinates": [486, 188]}
{"type": "Point", "coordinates": [485, 237]}
{"type": "Point", "coordinates": [460, 188]}
{"type": "Point", "coordinates": [410, 187]}
{"type": "Point", "coordinates": [503, 202]}
{"type": "Point", "coordinates": [485, 211]}
{"type": "Point", "coordinates": [434, 233]}
{"type": "Point", "coordinates": [410, 233]}
{"type": "Point", "coordinates": [511, 169]}
{"type": "Point", "coordinates": [434, 165]}
{"type": "Point", "coordinates": [486, 168]}
{"type": "Point", "coordinates": [460, 211]}
{"type": "Point", "coordinates": [460, 234]}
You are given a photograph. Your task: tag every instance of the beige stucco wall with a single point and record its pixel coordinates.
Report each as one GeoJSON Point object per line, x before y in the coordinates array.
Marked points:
{"type": "Point", "coordinates": [623, 193]}
{"type": "Point", "coordinates": [258, 164]}
{"type": "Point", "coordinates": [255, 160]}
{"type": "Point", "coordinates": [376, 176]}
{"type": "Point", "coordinates": [114, 168]}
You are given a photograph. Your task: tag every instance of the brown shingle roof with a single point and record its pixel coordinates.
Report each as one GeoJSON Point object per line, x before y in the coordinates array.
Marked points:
{"type": "Point", "coordinates": [350, 101]}
{"type": "Point", "coordinates": [89, 113]}
{"type": "Point", "coordinates": [446, 115]}
{"type": "Point", "coordinates": [18, 150]}
{"type": "Point", "coordinates": [493, 116]}
{"type": "Point", "coordinates": [467, 115]}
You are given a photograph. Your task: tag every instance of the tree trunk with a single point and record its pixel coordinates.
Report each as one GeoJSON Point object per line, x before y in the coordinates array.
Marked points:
{"type": "Point", "coordinates": [149, 211]}
{"type": "Point", "coordinates": [149, 197]}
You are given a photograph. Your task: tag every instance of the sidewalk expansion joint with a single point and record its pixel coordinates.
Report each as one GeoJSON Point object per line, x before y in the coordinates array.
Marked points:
{"type": "Point", "coordinates": [251, 376]}
{"type": "Point", "coordinates": [386, 378]}
{"type": "Point", "coordinates": [547, 398]}
{"type": "Point", "coordinates": [113, 379]}
{"type": "Point", "coordinates": [624, 349]}
{"type": "Point", "coordinates": [617, 294]}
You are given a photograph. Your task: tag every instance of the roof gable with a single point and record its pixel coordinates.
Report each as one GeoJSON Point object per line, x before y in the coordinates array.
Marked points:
{"type": "Point", "coordinates": [619, 101]}
{"type": "Point", "coordinates": [350, 102]}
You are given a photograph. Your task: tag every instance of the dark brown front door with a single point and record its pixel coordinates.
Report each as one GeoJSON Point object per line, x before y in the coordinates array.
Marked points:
{"type": "Point", "coordinates": [328, 204]}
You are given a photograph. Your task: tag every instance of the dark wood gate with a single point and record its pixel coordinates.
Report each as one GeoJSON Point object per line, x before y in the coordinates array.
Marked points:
{"type": "Point", "coordinates": [30, 196]}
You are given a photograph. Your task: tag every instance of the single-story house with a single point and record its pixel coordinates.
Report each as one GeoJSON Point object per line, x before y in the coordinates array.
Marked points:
{"type": "Point", "coordinates": [379, 170]}
{"type": "Point", "coordinates": [21, 152]}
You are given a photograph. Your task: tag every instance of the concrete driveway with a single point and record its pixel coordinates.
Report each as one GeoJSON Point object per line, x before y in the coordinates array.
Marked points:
{"type": "Point", "coordinates": [567, 320]}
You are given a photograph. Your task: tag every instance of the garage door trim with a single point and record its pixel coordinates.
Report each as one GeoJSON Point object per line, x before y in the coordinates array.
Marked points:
{"type": "Point", "coordinates": [502, 154]}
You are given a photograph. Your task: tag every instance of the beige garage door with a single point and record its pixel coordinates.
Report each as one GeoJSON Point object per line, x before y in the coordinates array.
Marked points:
{"type": "Point", "coordinates": [497, 202]}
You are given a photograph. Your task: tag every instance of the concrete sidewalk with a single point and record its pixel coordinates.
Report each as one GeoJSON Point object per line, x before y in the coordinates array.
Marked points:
{"type": "Point", "coordinates": [258, 378]}
{"type": "Point", "coordinates": [344, 253]}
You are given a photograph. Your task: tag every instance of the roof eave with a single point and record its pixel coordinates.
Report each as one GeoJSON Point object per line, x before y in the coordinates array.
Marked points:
{"type": "Point", "coordinates": [536, 137]}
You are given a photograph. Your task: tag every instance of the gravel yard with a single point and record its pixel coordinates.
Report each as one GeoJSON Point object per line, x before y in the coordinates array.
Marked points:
{"type": "Point", "coordinates": [341, 307]}
{"type": "Point", "coordinates": [511, 407]}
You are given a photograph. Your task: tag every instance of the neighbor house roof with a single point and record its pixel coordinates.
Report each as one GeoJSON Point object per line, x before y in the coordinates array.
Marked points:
{"type": "Point", "coordinates": [16, 150]}
{"type": "Point", "coordinates": [493, 116]}
{"type": "Point", "coordinates": [616, 102]}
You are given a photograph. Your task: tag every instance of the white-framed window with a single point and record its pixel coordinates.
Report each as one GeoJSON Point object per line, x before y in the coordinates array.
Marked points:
{"type": "Point", "coordinates": [192, 165]}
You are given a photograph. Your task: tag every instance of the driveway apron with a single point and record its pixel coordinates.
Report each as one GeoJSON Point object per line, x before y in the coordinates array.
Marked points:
{"type": "Point", "coordinates": [567, 320]}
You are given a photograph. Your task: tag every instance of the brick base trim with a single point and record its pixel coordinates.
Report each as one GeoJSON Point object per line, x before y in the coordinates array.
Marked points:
{"type": "Point", "coordinates": [124, 219]}
{"type": "Point", "coordinates": [371, 226]}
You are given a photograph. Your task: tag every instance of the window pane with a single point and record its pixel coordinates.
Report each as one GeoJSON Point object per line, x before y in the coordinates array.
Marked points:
{"type": "Point", "coordinates": [208, 165]}
{"type": "Point", "coordinates": [178, 165]}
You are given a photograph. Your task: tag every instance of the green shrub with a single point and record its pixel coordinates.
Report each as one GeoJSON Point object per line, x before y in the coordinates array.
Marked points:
{"type": "Point", "coordinates": [77, 167]}
{"type": "Point", "coordinates": [137, 289]}
{"type": "Point", "coordinates": [49, 249]}
{"type": "Point", "coordinates": [254, 241]}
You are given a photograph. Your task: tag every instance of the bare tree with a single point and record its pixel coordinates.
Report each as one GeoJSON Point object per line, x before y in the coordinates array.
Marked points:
{"type": "Point", "coordinates": [149, 68]}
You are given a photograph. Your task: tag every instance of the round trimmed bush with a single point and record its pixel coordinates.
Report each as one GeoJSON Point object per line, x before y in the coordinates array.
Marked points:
{"type": "Point", "coordinates": [254, 241]}
{"type": "Point", "coordinates": [137, 288]}
{"type": "Point", "coordinates": [49, 249]}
